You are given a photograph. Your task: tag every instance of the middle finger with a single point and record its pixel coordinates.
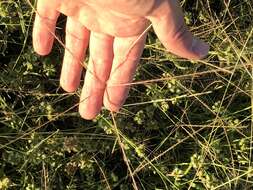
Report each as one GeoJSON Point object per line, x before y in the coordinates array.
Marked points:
{"type": "Point", "coordinates": [99, 67]}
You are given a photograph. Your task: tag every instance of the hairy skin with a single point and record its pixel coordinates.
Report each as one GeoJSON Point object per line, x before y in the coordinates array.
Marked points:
{"type": "Point", "coordinates": [114, 30]}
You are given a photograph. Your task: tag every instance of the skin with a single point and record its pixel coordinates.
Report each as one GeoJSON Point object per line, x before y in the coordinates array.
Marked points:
{"type": "Point", "coordinates": [115, 31]}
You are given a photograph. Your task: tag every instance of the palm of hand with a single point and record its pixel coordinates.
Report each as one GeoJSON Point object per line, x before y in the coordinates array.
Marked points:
{"type": "Point", "coordinates": [115, 33]}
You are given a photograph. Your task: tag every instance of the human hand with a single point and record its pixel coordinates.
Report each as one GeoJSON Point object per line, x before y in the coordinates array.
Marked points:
{"type": "Point", "coordinates": [115, 31]}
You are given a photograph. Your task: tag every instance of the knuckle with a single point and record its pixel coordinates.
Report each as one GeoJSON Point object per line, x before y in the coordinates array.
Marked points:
{"type": "Point", "coordinates": [179, 33]}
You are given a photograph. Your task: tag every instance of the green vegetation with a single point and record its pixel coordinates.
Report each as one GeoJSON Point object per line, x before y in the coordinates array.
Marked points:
{"type": "Point", "coordinates": [185, 125]}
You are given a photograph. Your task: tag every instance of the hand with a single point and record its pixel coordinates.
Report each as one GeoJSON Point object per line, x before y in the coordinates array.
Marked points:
{"type": "Point", "coordinates": [115, 32]}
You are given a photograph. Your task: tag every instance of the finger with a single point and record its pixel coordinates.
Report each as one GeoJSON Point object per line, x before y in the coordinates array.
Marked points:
{"type": "Point", "coordinates": [44, 27]}
{"type": "Point", "coordinates": [127, 53]}
{"type": "Point", "coordinates": [173, 33]}
{"type": "Point", "coordinates": [77, 39]}
{"type": "Point", "coordinates": [99, 67]}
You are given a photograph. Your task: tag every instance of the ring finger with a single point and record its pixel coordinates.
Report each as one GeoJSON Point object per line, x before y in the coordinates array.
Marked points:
{"type": "Point", "coordinates": [77, 39]}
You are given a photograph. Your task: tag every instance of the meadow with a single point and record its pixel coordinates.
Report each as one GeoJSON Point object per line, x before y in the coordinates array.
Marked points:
{"type": "Point", "coordinates": [185, 125]}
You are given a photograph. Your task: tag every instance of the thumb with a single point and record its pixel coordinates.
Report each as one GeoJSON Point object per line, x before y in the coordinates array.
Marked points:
{"type": "Point", "coordinates": [173, 33]}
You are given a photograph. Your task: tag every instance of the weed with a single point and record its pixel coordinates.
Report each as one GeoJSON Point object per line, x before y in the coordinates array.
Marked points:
{"type": "Point", "coordinates": [185, 125]}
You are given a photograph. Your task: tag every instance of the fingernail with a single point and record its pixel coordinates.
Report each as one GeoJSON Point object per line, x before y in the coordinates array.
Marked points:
{"type": "Point", "coordinates": [200, 48]}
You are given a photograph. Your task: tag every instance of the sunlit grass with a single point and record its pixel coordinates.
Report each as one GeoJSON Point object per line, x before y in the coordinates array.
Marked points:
{"type": "Point", "coordinates": [186, 124]}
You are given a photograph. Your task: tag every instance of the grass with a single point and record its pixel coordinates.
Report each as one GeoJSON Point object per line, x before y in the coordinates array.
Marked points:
{"type": "Point", "coordinates": [186, 124]}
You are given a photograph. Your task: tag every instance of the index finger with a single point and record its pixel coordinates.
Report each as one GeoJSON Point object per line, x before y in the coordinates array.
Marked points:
{"type": "Point", "coordinates": [127, 53]}
{"type": "Point", "coordinates": [44, 26]}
